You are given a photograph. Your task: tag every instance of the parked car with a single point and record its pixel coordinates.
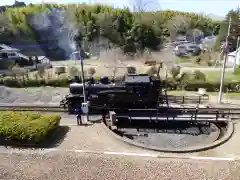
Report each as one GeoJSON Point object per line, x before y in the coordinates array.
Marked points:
{"type": "Point", "coordinates": [187, 49]}
{"type": "Point", "coordinates": [9, 55]}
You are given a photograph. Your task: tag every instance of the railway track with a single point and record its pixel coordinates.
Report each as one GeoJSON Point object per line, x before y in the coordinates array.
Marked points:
{"type": "Point", "coordinates": [233, 113]}
{"type": "Point", "coordinates": [58, 108]}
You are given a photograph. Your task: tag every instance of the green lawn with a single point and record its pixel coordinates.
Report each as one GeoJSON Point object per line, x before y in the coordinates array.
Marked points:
{"type": "Point", "coordinates": [215, 76]}
{"type": "Point", "coordinates": [185, 93]}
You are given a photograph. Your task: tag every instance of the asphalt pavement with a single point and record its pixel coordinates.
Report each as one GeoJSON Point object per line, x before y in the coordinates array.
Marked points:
{"type": "Point", "coordinates": [80, 166]}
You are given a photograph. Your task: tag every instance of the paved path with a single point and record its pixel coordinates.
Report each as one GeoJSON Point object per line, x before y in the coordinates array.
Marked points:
{"type": "Point", "coordinates": [75, 158]}
{"type": "Point", "coordinates": [75, 166]}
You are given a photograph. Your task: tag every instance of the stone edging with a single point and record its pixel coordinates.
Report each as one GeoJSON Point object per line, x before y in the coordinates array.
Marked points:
{"type": "Point", "coordinates": [228, 134]}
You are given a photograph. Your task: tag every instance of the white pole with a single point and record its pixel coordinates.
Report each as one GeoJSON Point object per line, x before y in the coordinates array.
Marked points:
{"type": "Point", "coordinates": [82, 74]}
{"type": "Point", "coordinates": [224, 63]}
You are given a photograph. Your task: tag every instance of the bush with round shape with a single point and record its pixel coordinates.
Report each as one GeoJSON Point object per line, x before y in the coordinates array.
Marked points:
{"type": "Point", "coordinates": [199, 76]}
{"type": "Point", "coordinates": [27, 127]}
{"type": "Point", "coordinates": [131, 70]}
{"type": "Point", "coordinates": [91, 71]}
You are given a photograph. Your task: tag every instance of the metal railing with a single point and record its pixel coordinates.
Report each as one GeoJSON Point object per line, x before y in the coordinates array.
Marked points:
{"type": "Point", "coordinates": [188, 99]}
{"type": "Point", "coordinates": [180, 114]}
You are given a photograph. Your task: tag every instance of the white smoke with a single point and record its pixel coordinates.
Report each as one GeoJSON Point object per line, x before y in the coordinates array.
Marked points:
{"type": "Point", "coordinates": [54, 26]}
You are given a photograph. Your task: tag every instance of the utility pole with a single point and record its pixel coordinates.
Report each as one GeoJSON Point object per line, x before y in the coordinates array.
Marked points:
{"type": "Point", "coordinates": [224, 63]}
{"type": "Point", "coordinates": [82, 73]}
{"type": "Point", "coordinates": [85, 107]}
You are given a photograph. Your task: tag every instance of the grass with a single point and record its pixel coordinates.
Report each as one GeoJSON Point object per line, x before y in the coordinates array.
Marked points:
{"type": "Point", "coordinates": [215, 76]}
{"type": "Point", "coordinates": [183, 59]}
{"type": "Point", "coordinates": [188, 93]}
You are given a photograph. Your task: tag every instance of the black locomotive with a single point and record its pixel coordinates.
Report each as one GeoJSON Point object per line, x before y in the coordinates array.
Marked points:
{"type": "Point", "coordinates": [133, 92]}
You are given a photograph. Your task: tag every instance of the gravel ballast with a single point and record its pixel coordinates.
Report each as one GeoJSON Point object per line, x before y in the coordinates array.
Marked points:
{"type": "Point", "coordinates": [82, 166]}
{"type": "Point", "coordinates": [32, 95]}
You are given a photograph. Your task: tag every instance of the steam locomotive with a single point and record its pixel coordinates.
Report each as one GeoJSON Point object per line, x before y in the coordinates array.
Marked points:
{"type": "Point", "coordinates": [134, 91]}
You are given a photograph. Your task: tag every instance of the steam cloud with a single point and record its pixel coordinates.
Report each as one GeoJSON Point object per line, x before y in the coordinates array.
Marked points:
{"type": "Point", "coordinates": [52, 25]}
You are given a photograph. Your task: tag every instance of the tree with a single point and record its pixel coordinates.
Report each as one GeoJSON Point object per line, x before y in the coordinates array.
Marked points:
{"type": "Point", "coordinates": [178, 25]}
{"type": "Point", "coordinates": [122, 27]}
{"type": "Point", "coordinates": [141, 6]}
{"type": "Point", "coordinates": [4, 23]}
{"type": "Point", "coordinates": [235, 29]}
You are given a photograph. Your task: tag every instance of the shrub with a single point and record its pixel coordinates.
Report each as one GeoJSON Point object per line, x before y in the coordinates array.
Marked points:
{"type": "Point", "coordinates": [27, 127]}
{"type": "Point", "coordinates": [199, 76]}
{"type": "Point", "coordinates": [210, 63]}
{"type": "Point", "coordinates": [73, 71]}
{"type": "Point", "coordinates": [12, 83]}
{"type": "Point", "coordinates": [175, 71]}
{"type": "Point", "coordinates": [171, 84]}
{"type": "Point", "coordinates": [131, 70]}
{"type": "Point", "coordinates": [237, 70]}
{"type": "Point", "coordinates": [91, 71]}
{"type": "Point", "coordinates": [41, 71]}
{"type": "Point", "coordinates": [152, 70]}
{"type": "Point", "coordinates": [184, 79]}
{"type": "Point", "coordinates": [33, 83]}
{"type": "Point", "coordinates": [198, 60]}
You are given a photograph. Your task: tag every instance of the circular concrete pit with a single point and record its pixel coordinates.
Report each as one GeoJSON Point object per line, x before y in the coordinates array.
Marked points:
{"type": "Point", "coordinates": [176, 136]}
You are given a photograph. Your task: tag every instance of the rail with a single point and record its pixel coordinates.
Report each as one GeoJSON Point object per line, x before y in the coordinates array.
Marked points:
{"type": "Point", "coordinates": [161, 114]}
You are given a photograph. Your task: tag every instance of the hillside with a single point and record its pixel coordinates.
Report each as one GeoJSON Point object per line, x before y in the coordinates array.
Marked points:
{"type": "Point", "coordinates": [56, 28]}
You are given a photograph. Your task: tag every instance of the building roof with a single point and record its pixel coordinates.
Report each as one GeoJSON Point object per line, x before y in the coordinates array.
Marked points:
{"type": "Point", "coordinates": [234, 53]}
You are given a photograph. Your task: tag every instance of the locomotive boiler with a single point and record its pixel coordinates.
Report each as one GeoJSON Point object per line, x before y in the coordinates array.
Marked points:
{"type": "Point", "coordinates": [134, 92]}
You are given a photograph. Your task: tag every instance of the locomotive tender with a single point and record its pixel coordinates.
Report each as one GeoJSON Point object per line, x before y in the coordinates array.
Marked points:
{"type": "Point", "coordinates": [134, 92]}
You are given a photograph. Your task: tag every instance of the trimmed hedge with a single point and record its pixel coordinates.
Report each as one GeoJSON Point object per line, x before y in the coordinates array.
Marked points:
{"type": "Point", "coordinates": [35, 83]}
{"type": "Point", "coordinates": [170, 83]}
{"type": "Point", "coordinates": [19, 83]}
{"type": "Point", "coordinates": [27, 127]}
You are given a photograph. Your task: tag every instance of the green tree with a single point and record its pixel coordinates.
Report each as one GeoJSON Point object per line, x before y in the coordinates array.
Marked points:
{"type": "Point", "coordinates": [235, 28]}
